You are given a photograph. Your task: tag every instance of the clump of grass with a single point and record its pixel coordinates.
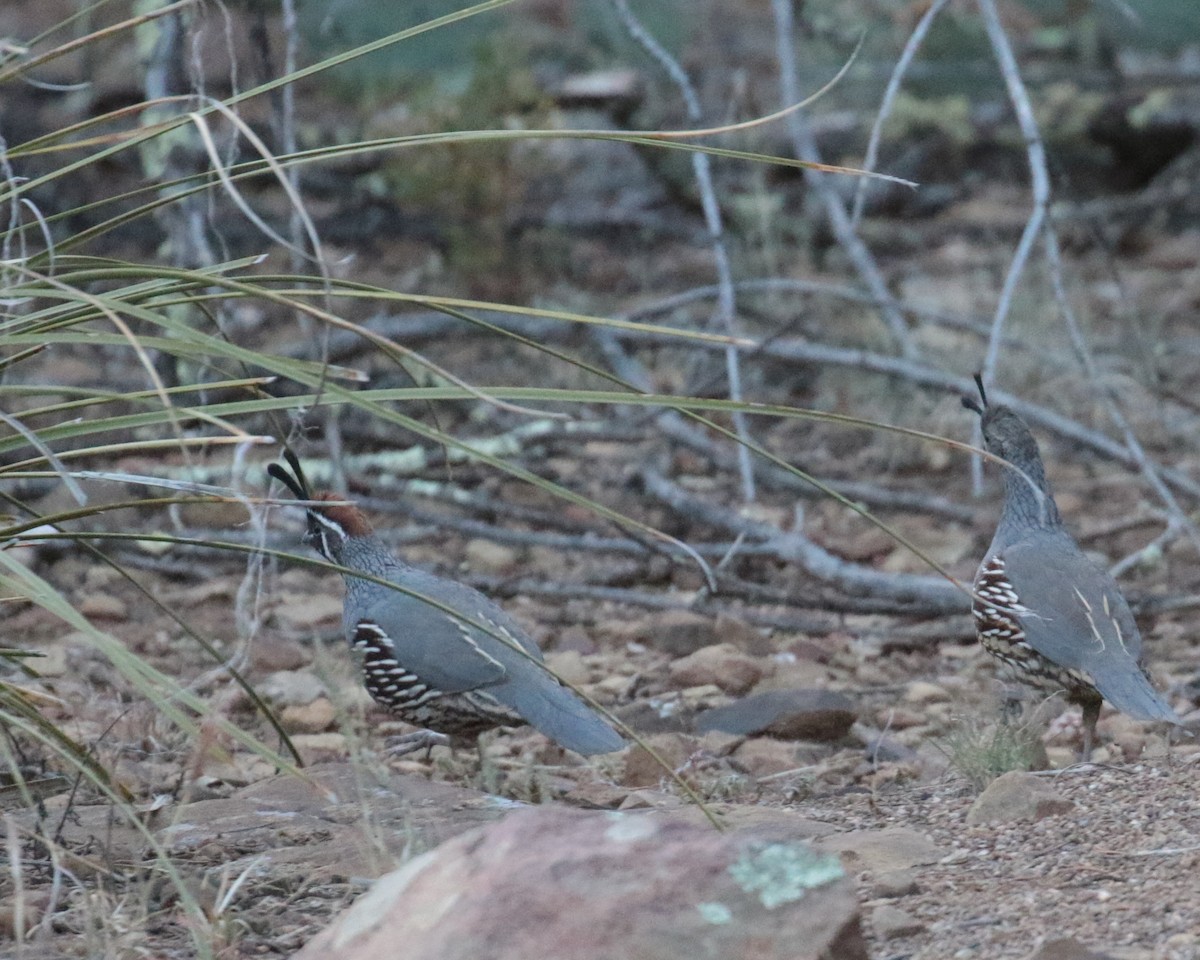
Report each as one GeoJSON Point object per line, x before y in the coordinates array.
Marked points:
{"type": "Point", "coordinates": [980, 752]}
{"type": "Point", "coordinates": [713, 778]}
{"type": "Point", "coordinates": [724, 785]}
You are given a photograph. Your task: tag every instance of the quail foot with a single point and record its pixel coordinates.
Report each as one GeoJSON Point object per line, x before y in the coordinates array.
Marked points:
{"type": "Point", "coordinates": [1040, 606]}
{"type": "Point", "coordinates": [451, 675]}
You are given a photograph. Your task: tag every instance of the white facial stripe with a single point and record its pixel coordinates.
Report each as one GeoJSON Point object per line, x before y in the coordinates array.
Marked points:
{"type": "Point", "coordinates": [328, 523]}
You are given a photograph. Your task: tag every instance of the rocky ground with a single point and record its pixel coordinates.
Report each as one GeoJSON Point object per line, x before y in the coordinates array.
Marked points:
{"type": "Point", "coordinates": [834, 737]}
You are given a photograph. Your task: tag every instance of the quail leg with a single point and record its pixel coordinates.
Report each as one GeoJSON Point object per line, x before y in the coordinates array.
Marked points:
{"type": "Point", "coordinates": [1014, 704]}
{"type": "Point", "coordinates": [412, 742]}
{"type": "Point", "coordinates": [1091, 713]}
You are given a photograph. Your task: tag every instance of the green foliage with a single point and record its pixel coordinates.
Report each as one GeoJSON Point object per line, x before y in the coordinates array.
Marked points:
{"type": "Point", "coordinates": [949, 116]}
{"type": "Point", "coordinates": [443, 60]}
{"type": "Point", "coordinates": [471, 190]}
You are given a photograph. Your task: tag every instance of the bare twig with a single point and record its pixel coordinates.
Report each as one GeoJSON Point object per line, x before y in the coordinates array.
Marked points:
{"type": "Point", "coordinates": [909, 591]}
{"type": "Point", "coordinates": [1040, 185]}
{"type": "Point", "coordinates": [572, 543]}
{"type": "Point", "coordinates": [890, 636]}
{"type": "Point", "coordinates": [931, 378]}
{"type": "Point", "coordinates": [1156, 606]}
{"type": "Point", "coordinates": [805, 146]}
{"type": "Point", "coordinates": [1039, 223]}
{"type": "Point", "coordinates": [1039, 180]}
{"type": "Point", "coordinates": [840, 291]}
{"type": "Point", "coordinates": [702, 168]}
{"type": "Point", "coordinates": [872, 495]}
{"type": "Point", "coordinates": [1151, 550]}
{"type": "Point", "coordinates": [1180, 521]}
{"type": "Point", "coordinates": [1121, 524]}
{"type": "Point", "coordinates": [915, 39]}
{"type": "Point", "coordinates": [1161, 851]}
{"type": "Point", "coordinates": [418, 326]}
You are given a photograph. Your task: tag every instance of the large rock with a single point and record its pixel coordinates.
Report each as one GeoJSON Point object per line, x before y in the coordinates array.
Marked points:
{"type": "Point", "coordinates": [572, 885]}
{"type": "Point", "coordinates": [312, 826]}
{"type": "Point", "coordinates": [786, 714]}
{"type": "Point", "coordinates": [1017, 795]}
{"type": "Point", "coordinates": [882, 851]}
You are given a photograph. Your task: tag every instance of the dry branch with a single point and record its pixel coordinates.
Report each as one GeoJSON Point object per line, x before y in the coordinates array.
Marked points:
{"type": "Point", "coordinates": [911, 593]}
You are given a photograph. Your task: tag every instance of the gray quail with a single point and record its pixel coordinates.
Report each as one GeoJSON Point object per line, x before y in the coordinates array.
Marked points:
{"type": "Point", "coordinates": [432, 669]}
{"type": "Point", "coordinates": [1040, 606]}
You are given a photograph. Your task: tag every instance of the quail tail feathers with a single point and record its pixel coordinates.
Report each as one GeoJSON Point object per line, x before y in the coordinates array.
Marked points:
{"type": "Point", "coordinates": [563, 717]}
{"type": "Point", "coordinates": [1130, 692]}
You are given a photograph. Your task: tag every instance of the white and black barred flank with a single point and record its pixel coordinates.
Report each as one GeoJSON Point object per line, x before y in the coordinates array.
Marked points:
{"type": "Point", "coordinates": [390, 684]}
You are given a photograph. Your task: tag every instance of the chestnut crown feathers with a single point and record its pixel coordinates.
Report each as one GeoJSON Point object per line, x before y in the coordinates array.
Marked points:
{"type": "Point", "coordinates": [329, 525]}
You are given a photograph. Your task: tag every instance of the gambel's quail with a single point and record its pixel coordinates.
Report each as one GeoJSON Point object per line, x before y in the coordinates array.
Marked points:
{"type": "Point", "coordinates": [432, 669]}
{"type": "Point", "coordinates": [1040, 606]}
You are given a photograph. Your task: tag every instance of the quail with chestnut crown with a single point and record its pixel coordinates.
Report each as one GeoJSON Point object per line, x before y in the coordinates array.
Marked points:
{"type": "Point", "coordinates": [455, 676]}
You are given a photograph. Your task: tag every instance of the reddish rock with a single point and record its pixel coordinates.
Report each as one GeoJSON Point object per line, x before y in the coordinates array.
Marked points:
{"type": "Point", "coordinates": [286, 688]}
{"type": "Point", "coordinates": [486, 556]}
{"type": "Point", "coordinates": [1017, 795]}
{"type": "Point", "coordinates": [743, 636]}
{"type": "Point", "coordinates": [597, 795]}
{"type": "Point", "coordinates": [882, 851]}
{"type": "Point", "coordinates": [573, 639]}
{"type": "Point", "coordinates": [791, 674]}
{"type": "Point", "coordinates": [309, 717]}
{"type": "Point", "coordinates": [320, 747]}
{"type": "Point", "coordinates": [722, 664]}
{"type": "Point", "coordinates": [786, 714]}
{"type": "Point", "coordinates": [763, 756]}
{"type": "Point", "coordinates": [569, 666]}
{"type": "Point", "coordinates": [304, 613]}
{"type": "Point", "coordinates": [576, 885]}
{"type": "Point", "coordinates": [642, 769]}
{"type": "Point", "coordinates": [271, 653]}
{"type": "Point", "coordinates": [103, 606]}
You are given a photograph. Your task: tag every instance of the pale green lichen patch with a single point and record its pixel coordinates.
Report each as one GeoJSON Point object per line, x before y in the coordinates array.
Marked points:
{"type": "Point", "coordinates": [715, 913]}
{"type": "Point", "coordinates": [783, 872]}
{"type": "Point", "coordinates": [627, 829]}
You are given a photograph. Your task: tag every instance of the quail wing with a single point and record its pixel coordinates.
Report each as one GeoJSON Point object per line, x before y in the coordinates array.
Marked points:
{"type": "Point", "coordinates": [446, 652]}
{"type": "Point", "coordinates": [1073, 613]}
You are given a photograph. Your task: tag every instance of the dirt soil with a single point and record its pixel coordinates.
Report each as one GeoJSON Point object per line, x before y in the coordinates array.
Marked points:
{"type": "Point", "coordinates": [1116, 872]}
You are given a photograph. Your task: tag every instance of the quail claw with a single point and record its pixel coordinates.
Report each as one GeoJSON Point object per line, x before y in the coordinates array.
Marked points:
{"type": "Point", "coordinates": [412, 742]}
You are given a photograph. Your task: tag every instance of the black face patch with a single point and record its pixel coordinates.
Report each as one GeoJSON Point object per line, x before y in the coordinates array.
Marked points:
{"type": "Point", "coordinates": [324, 535]}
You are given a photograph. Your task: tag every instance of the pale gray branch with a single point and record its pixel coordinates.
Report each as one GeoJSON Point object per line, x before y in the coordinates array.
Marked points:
{"type": "Point", "coordinates": [805, 146]}
{"type": "Point", "coordinates": [909, 591]}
